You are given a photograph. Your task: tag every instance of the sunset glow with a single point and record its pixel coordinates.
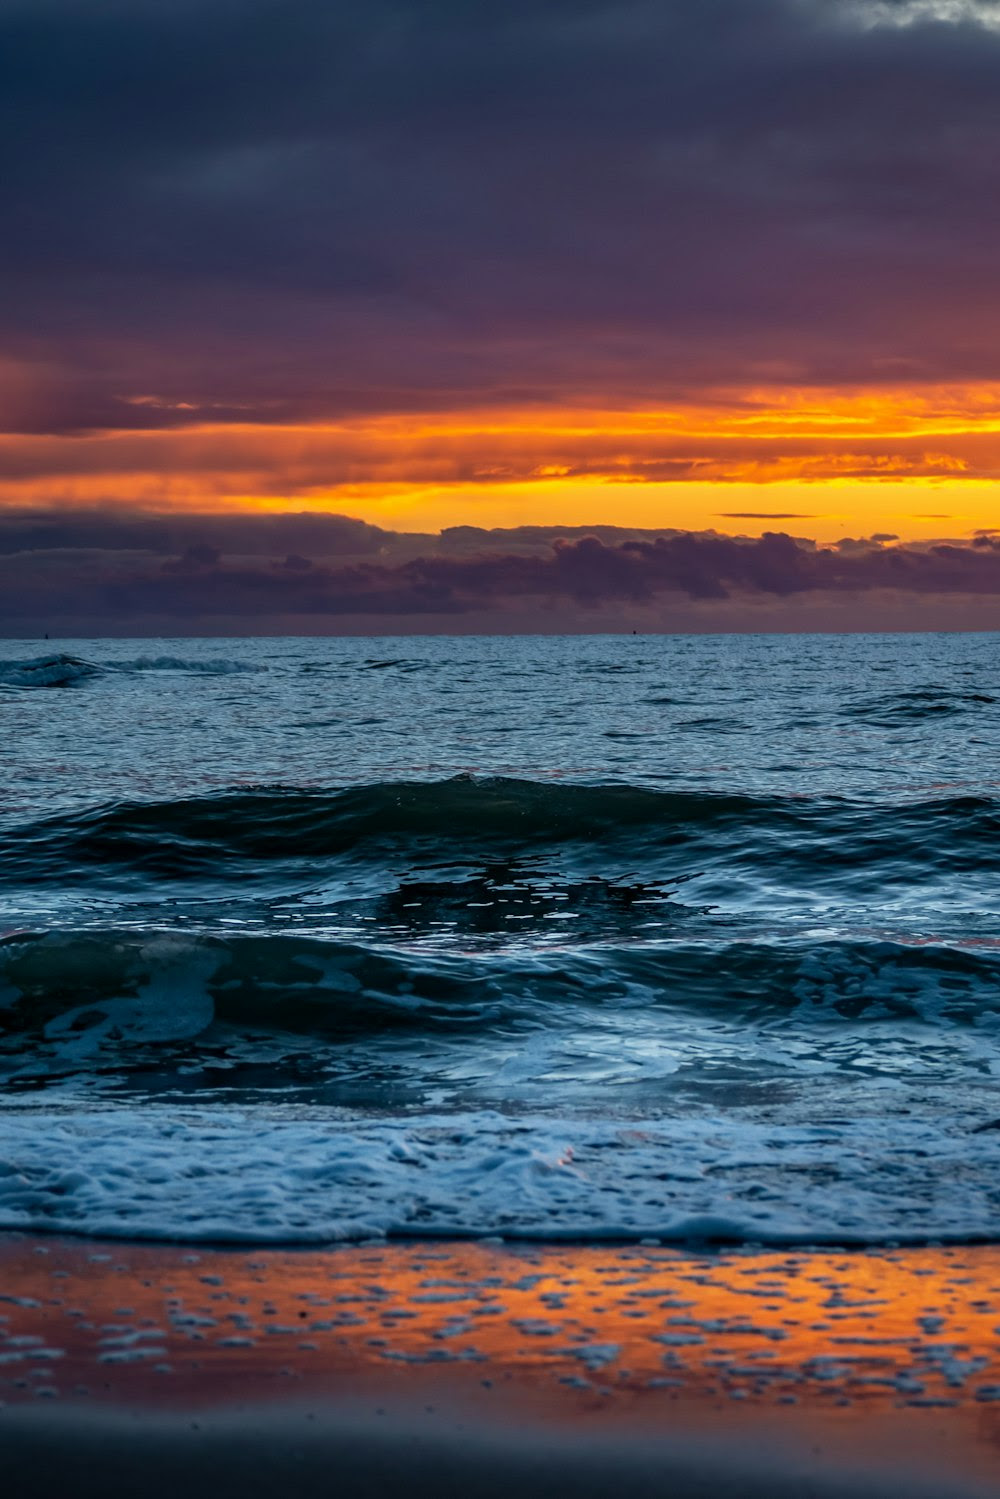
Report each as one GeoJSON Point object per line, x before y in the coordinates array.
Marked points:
{"type": "Point", "coordinates": [500, 827]}
{"type": "Point", "coordinates": [728, 273]}
{"type": "Point", "coordinates": [822, 463]}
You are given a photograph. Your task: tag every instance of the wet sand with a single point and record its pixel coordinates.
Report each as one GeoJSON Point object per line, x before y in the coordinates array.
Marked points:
{"type": "Point", "coordinates": [472, 1368]}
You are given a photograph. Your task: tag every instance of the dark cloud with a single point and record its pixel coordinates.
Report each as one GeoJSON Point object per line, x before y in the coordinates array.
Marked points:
{"type": "Point", "coordinates": [116, 530]}
{"type": "Point", "coordinates": [507, 575]}
{"type": "Point", "coordinates": [270, 209]}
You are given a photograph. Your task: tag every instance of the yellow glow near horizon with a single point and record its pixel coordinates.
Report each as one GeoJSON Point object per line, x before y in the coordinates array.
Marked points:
{"type": "Point", "coordinates": [912, 509]}
{"type": "Point", "coordinates": [915, 463]}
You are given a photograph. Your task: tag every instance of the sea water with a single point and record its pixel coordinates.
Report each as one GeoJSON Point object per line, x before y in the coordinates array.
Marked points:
{"type": "Point", "coordinates": [555, 937]}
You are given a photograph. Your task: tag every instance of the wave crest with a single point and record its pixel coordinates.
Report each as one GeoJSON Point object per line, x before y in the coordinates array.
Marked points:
{"type": "Point", "coordinates": [60, 669]}
{"type": "Point", "coordinates": [75, 997]}
{"type": "Point", "coordinates": [56, 670]}
{"type": "Point", "coordinates": [251, 832]}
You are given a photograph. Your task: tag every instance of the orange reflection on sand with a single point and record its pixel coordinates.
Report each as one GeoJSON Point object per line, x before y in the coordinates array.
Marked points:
{"type": "Point", "coordinates": [893, 1328]}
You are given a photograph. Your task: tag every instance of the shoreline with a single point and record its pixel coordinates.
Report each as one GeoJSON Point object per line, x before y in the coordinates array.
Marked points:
{"type": "Point", "coordinates": [475, 1366]}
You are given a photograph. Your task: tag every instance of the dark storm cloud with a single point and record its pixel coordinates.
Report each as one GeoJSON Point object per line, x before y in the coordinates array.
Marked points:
{"type": "Point", "coordinates": [266, 209]}
{"type": "Point", "coordinates": [394, 577]}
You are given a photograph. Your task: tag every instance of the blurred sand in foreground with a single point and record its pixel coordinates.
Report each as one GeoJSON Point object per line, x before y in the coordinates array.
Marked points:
{"type": "Point", "coordinates": [472, 1368]}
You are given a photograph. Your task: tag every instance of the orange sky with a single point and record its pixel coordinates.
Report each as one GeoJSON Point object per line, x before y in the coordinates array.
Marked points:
{"type": "Point", "coordinates": [568, 264]}
{"type": "Point", "coordinates": [825, 463]}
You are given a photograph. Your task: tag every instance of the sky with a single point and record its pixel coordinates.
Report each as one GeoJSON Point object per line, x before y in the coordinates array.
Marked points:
{"type": "Point", "coordinates": [381, 314]}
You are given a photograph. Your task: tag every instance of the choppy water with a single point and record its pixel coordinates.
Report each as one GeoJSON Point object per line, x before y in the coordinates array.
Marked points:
{"type": "Point", "coordinates": [559, 937]}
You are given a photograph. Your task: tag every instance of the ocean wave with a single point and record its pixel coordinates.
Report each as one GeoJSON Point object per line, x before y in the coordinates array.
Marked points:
{"type": "Point", "coordinates": [918, 705]}
{"type": "Point", "coordinates": [210, 667]}
{"type": "Point", "coordinates": [75, 999]}
{"type": "Point", "coordinates": [217, 1175]}
{"type": "Point", "coordinates": [650, 834]}
{"type": "Point", "coordinates": [56, 670]}
{"type": "Point", "coordinates": [258, 824]}
{"type": "Point", "coordinates": [62, 670]}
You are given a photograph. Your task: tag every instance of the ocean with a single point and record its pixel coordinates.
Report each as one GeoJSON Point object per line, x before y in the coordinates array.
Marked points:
{"type": "Point", "coordinates": [652, 938]}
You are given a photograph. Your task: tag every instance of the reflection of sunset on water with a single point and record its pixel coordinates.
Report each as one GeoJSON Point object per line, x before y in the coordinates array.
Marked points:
{"type": "Point", "coordinates": [649, 1327]}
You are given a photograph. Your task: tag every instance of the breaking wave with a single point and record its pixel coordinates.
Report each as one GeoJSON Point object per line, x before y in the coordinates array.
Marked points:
{"type": "Point", "coordinates": [96, 996]}
{"type": "Point", "coordinates": [47, 671]}
{"type": "Point", "coordinates": [62, 670]}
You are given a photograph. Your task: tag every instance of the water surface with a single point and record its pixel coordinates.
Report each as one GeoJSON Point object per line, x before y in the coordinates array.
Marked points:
{"type": "Point", "coordinates": [593, 937]}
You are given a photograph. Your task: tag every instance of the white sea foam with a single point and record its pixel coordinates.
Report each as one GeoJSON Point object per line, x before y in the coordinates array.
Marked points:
{"type": "Point", "coordinates": [220, 1174]}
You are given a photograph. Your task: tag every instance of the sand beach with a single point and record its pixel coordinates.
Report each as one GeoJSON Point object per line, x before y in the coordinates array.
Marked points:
{"type": "Point", "coordinates": [482, 1369]}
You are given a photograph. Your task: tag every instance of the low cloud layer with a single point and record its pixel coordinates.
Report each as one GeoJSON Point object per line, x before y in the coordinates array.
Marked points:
{"type": "Point", "coordinates": [108, 573]}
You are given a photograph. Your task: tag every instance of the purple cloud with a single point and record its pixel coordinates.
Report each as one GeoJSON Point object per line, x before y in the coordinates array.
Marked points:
{"type": "Point", "coordinates": [298, 210]}
{"type": "Point", "coordinates": [253, 570]}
